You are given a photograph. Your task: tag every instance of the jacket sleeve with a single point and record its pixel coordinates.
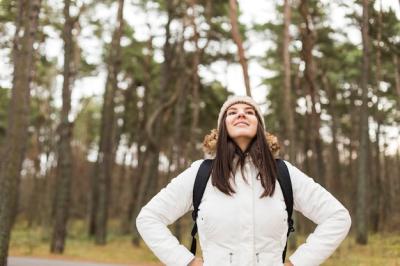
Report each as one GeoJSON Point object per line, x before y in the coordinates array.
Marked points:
{"type": "Point", "coordinates": [163, 209]}
{"type": "Point", "coordinates": [332, 219]}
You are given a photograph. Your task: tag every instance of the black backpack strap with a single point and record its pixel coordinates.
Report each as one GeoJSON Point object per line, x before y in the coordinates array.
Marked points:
{"type": "Point", "coordinates": [286, 186]}
{"type": "Point", "coordinates": [200, 183]}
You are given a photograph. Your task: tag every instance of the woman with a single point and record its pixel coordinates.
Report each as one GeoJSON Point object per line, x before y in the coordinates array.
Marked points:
{"type": "Point", "coordinates": [242, 215]}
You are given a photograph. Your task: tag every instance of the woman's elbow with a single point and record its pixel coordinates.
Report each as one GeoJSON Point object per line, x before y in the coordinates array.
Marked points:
{"type": "Point", "coordinates": [346, 221]}
{"type": "Point", "coordinates": [140, 222]}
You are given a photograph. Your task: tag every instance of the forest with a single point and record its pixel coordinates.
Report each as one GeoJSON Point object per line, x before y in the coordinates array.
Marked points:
{"type": "Point", "coordinates": [102, 103]}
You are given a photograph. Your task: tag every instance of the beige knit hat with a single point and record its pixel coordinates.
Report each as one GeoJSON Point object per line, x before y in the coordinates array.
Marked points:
{"type": "Point", "coordinates": [240, 99]}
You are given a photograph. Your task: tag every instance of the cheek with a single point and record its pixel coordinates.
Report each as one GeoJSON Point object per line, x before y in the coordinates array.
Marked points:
{"type": "Point", "coordinates": [254, 132]}
{"type": "Point", "coordinates": [227, 125]}
{"type": "Point", "coordinates": [254, 128]}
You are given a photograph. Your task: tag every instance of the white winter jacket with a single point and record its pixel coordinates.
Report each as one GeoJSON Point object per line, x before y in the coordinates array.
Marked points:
{"type": "Point", "coordinates": [243, 229]}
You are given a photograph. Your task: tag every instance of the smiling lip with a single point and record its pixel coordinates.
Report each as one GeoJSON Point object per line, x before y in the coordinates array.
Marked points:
{"type": "Point", "coordinates": [241, 122]}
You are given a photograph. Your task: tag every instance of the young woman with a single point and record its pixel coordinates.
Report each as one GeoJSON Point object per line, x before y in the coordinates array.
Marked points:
{"type": "Point", "coordinates": [242, 218]}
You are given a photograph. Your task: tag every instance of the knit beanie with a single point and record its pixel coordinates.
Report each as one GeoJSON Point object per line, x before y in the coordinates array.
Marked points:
{"type": "Point", "coordinates": [240, 99]}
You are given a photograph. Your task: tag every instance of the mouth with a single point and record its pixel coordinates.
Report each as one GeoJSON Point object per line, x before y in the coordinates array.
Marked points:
{"type": "Point", "coordinates": [241, 123]}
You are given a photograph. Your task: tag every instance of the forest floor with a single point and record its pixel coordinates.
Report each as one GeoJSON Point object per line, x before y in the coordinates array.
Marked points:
{"type": "Point", "coordinates": [382, 249]}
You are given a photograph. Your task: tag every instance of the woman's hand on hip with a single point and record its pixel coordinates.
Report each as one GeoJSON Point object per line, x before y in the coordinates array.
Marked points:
{"type": "Point", "coordinates": [196, 262]}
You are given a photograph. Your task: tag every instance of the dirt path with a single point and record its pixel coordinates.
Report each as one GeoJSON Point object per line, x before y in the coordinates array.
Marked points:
{"type": "Point", "coordinates": [28, 261]}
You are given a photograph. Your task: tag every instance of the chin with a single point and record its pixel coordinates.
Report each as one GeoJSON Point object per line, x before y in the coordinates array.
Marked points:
{"type": "Point", "coordinates": [247, 136]}
{"type": "Point", "coordinates": [244, 133]}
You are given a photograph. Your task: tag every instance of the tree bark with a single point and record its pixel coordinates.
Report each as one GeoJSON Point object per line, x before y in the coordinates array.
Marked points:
{"type": "Point", "coordinates": [385, 176]}
{"type": "Point", "coordinates": [13, 151]}
{"type": "Point", "coordinates": [149, 164]}
{"type": "Point", "coordinates": [64, 163]}
{"type": "Point", "coordinates": [33, 212]}
{"type": "Point", "coordinates": [396, 68]}
{"type": "Point", "coordinates": [106, 156]}
{"type": "Point", "coordinates": [287, 94]}
{"type": "Point", "coordinates": [334, 180]}
{"type": "Point", "coordinates": [135, 177]}
{"type": "Point", "coordinates": [177, 148]}
{"type": "Point", "coordinates": [376, 178]}
{"type": "Point", "coordinates": [287, 89]}
{"type": "Point", "coordinates": [181, 103]}
{"type": "Point", "coordinates": [195, 102]}
{"type": "Point", "coordinates": [308, 38]}
{"type": "Point", "coordinates": [375, 199]}
{"type": "Point", "coordinates": [233, 14]}
{"type": "Point", "coordinates": [361, 225]}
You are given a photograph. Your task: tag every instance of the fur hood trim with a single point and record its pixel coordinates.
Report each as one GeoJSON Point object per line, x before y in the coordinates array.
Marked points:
{"type": "Point", "coordinates": [210, 143]}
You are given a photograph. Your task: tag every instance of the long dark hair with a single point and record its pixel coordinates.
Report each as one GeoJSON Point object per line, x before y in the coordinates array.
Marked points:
{"type": "Point", "coordinates": [223, 169]}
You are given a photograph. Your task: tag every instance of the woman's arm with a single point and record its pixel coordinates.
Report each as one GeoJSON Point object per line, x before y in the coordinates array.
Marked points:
{"type": "Point", "coordinates": [332, 219]}
{"type": "Point", "coordinates": [165, 208]}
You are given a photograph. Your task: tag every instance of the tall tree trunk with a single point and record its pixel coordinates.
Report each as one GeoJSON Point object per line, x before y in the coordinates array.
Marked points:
{"type": "Point", "coordinates": [396, 62]}
{"type": "Point", "coordinates": [13, 150]}
{"type": "Point", "coordinates": [287, 91]}
{"type": "Point", "coordinates": [396, 202]}
{"type": "Point", "coordinates": [362, 177]}
{"type": "Point", "coordinates": [33, 212]}
{"type": "Point", "coordinates": [383, 211]}
{"type": "Point", "coordinates": [135, 177]}
{"type": "Point", "coordinates": [127, 208]}
{"type": "Point", "coordinates": [150, 162]}
{"type": "Point", "coordinates": [376, 184]}
{"type": "Point", "coordinates": [64, 163]}
{"type": "Point", "coordinates": [130, 114]}
{"type": "Point", "coordinates": [233, 14]}
{"type": "Point", "coordinates": [195, 101]}
{"type": "Point", "coordinates": [307, 143]}
{"type": "Point", "coordinates": [333, 181]}
{"type": "Point", "coordinates": [353, 146]}
{"type": "Point", "coordinates": [308, 38]}
{"type": "Point", "coordinates": [375, 195]}
{"type": "Point", "coordinates": [178, 146]}
{"type": "Point", "coordinates": [106, 156]}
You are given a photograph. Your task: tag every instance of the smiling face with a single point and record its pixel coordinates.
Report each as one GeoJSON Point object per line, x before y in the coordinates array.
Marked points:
{"type": "Point", "coordinates": [241, 123]}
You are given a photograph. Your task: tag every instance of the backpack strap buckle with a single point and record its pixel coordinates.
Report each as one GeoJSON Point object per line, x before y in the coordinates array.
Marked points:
{"type": "Point", "coordinates": [291, 226]}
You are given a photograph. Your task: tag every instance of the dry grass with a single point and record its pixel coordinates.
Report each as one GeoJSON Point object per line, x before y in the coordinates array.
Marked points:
{"type": "Point", "coordinates": [382, 249]}
{"type": "Point", "coordinates": [36, 243]}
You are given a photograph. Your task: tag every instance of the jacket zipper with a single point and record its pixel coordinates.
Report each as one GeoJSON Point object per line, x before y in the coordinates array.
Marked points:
{"type": "Point", "coordinates": [253, 211]}
{"type": "Point", "coordinates": [230, 257]}
{"type": "Point", "coordinates": [258, 258]}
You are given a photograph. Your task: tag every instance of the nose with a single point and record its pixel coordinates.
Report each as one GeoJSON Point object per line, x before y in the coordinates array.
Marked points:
{"type": "Point", "coordinates": [241, 113]}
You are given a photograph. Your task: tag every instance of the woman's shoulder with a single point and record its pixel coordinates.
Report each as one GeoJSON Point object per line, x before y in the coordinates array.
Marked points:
{"type": "Point", "coordinates": [296, 175]}
{"type": "Point", "coordinates": [288, 164]}
{"type": "Point", "coordinates": [196, 164]}
{"type": "Point", "coordinates": [190, 172]}
{"type": "Point", "coordinates": [184, 181]}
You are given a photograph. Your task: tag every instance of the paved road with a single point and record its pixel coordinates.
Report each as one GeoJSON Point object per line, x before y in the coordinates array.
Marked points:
{"type": "Point", "coordinates": [27, 261]}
